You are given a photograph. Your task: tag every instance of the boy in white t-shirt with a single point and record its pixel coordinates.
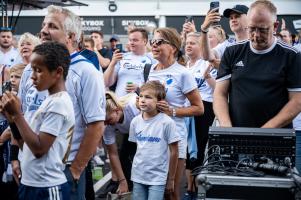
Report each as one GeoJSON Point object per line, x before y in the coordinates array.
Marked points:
{"type": "Point", "coordinates": [153, 169]}
{"type": "Point", "coordinates": [47, 137]}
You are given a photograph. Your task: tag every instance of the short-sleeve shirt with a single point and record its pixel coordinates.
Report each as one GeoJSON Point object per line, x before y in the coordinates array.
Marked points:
{"type": "Point", "coordinates": [198, 70]}
{"type": "Point", "coordinates": [151, 161]}
{"type": "Point", "coordinates": [129, 69]}
{"type": "Point", "coordinates": [129, 112]}
{"type": "Point", "coordinates": [55, 117]}
{"type": "Point", "coordinates": [259, 81]}
{"type": "Point", "coordinates": [104, 52]}
{"type": "Point", "coordinates": [31, 98]}
{"type": "Point", "coordinates": [221, 47]}
{"type": "Point", "coordinates": [86, 88]}
{"type": "Point", "coordinates": [178, 81]}
{"type": "Point", "coordinates": [10, 58]}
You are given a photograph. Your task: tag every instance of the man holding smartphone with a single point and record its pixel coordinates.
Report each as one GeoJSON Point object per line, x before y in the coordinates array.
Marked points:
{"type": "Point", "coordinates": [237, 20]}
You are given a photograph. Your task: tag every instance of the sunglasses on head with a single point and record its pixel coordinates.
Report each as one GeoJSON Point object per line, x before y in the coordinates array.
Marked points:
{"type": "Point", "coordinates": [158, 42]}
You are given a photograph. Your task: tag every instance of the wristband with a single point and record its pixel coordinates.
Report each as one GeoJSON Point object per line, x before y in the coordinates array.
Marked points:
{"type": "Point", "coordinates": [174, 113]}
{"type": "Point", "coordinates": [204, 30]}
{"type": "Point", "coordinates": [123, 179]}
{"type": "Point", "coordinates": [14, 151]}
{"type": "Point", "coordinates": [15, 131]}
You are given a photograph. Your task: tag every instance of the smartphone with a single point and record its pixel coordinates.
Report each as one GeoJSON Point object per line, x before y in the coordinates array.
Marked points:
{"type": "Point", "coordinates": [5, 87]}
{"type": "Point", "coordinates": [213, 5]}
{"type": "Point", "coordinates": [119, 46]}
{"type": "Point", "coordinates": [189, 19]}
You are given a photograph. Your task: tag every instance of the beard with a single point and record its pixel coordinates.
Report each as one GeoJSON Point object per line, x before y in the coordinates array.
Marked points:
{"type": "Point", "coordinates": [5, 46]}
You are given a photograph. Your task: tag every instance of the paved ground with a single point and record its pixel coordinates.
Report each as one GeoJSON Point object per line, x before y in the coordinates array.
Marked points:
{"type": "Point", "coordinates": [106, 170]}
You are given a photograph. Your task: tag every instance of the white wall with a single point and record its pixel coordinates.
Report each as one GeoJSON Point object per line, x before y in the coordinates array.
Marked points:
{"type": "Point", "coordinates": [164, 7]}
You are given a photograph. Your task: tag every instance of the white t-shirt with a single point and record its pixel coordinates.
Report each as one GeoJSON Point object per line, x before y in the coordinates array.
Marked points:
{"type": "Point", "coordinates": [297, 122]}
{"type": "Point", "coordinates": [221, 47]}
{"type": "Point", "coordinates": [56, 117]}
{"type": "Point", "coordinates": [151, 161]}
{"type": "Point", "coordinates": [85, 86]}
{"type": "Point", "coordinates": [129, 112]}
{"type": "Point", "coordinates": [197, 70]}
{"type": "Point", "coordinates": [129, 69]}
{"type": "Point", "coordinates": [10, 58]}
{"type": "Point", "coordinates": [31, 98]}
{"type": "Point", "coordinates": [298, 47]}
{"type": "Point", "coordinates": [178, 81]}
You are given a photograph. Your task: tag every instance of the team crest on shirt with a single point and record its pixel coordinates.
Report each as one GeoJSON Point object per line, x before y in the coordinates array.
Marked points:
{"type": "Point", "coordinates": [133, 66]}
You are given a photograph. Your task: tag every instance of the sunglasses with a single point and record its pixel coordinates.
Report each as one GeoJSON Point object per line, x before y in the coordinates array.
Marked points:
{"type": "Point", "coordinates": [158, 42]}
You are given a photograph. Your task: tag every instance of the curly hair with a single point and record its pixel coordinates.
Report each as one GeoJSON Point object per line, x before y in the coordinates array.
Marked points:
{"type": "Point", "coordinates": [55, 55]}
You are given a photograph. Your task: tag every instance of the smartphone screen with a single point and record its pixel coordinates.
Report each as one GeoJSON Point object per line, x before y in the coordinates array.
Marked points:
{"type": "Point", "coordinates": [214, 4]}
{"type": "Point", "coordinates": [119, 46]}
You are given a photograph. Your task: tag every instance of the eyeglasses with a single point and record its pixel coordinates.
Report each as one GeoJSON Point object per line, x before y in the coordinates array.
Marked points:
{"type": "Point", "coordinates": [260, 30]}
{"type": "Point", "coordinates": [158, 42]}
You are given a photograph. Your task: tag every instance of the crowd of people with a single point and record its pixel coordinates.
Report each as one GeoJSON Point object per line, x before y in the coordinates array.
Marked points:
{"type": "Point", "coordinates": [64, 95]}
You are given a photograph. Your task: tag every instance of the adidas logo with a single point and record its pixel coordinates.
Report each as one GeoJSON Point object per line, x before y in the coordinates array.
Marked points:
{"type": "Point", "coordinates": [240, 64]}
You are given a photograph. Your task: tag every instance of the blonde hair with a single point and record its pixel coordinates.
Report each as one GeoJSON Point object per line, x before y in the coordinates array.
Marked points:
{"type": "Point", "coordinates": [28, 37]}
{"type": "Point", "coordinates": [172, 35]}
{"type": "Point", "coordinates": [18, 69]}
{"type": "Point", "coordinates": [219, 33]}
{"type": "Point", "coordinates": [113, 102]}
{"type": "Point", "coordinates": [155, 86]}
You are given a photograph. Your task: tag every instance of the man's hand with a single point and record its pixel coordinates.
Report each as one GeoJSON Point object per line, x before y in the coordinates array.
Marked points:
{"type": "Point", "coordinates": [117, 56]}
{"type": "Point", "coordinates": [211, 17]}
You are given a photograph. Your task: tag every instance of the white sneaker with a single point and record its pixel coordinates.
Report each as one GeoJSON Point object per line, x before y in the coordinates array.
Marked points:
{"type": "Point", "coordinates": [98, 160]}
{"type": "Point", "coordinates": [100, 151]}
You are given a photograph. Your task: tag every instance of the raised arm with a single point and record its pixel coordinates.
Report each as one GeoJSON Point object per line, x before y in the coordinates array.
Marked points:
{"type": "Point", "coordinates": [207, 52]}
{"type": "Point", "coordinates": [109, 76]}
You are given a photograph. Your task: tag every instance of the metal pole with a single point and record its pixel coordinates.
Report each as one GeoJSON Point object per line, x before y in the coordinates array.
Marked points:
{"type": "Point", "coordinates": [2, 13]}
{"type": "Point", "coordinates": [12, 15]}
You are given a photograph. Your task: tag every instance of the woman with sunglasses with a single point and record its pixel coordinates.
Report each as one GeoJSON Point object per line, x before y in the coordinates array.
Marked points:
{"type": "Point", "coordinates": [179, 84]}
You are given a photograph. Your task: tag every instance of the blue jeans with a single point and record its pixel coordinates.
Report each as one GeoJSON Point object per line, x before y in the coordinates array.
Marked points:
{"type": "Point", "coordinates": [298, 151]}
{"type": "Point", "coordinates": [77, 188]}
{"type": "Point", "coordinates": [148, 192]}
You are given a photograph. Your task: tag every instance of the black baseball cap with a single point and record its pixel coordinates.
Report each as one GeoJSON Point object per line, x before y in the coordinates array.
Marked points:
{"type": "Point", "coordinates": [240, 9]}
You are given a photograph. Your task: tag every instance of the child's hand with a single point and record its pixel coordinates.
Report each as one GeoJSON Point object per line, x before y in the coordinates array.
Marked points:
{"type": "Point", "coordinates": [170, 185]}
{"type": "Point", "coordinates": [11, 104]}
{"type": "Point", "coordinates": [16, 170]}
